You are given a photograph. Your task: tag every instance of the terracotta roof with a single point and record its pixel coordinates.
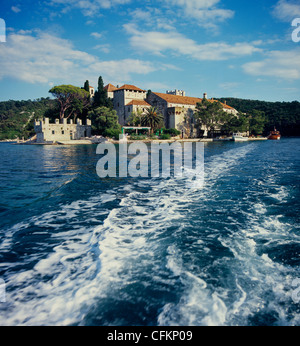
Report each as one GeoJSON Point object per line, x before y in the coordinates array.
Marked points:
{"type": "Point", "coordinates": [226, 106]}
{"type": "Point", "coordinates": [186, 100]}
{"type": "Point", "coordinates": [138, 103]}
{"type": "Point", "coordinates": [109, 87]}
{"type": "Point", "coordinates": [130, 87]}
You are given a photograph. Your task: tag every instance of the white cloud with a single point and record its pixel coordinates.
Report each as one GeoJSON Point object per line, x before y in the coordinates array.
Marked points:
{"type": "Point", "coordinates": [44, 58]}
{"type": "Point", "coordinates": [157, 43]}
{"type": "Point", "coordinates": [205, 12]}
{"type": "Point", "coordinates": [88, 7]}
{"type": "Point", "coordinates": [105, 48]}
{"type": "Point", "coordinates": [153, 17]}
{"type": "Point", "coordinates": [96, 35]}
{"type": "Point", "coordinates": [123, 69]}
{"type": "Point", "coordinates": [277, 64]}
{"type": "Point", "coordinates": [16, 9]}
{"type": "Point", "coordinates": [287, 10]}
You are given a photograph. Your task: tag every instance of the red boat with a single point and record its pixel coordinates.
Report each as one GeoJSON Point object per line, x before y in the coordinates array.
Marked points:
{"type": "Point", "coordinates": [274, 135]}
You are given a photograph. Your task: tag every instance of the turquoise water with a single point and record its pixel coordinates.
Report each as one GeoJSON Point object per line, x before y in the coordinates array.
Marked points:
{"type": "Point", "coordinates": [79, 250]}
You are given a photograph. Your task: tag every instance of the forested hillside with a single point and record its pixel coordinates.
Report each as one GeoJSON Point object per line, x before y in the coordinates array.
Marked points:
{"type": "Point", "coordinates": [285, 116]}
{"type": "Point", "coordinates": [17, 117]}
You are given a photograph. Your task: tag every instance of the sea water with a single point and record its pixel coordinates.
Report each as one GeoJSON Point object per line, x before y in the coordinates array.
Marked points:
{"type": "Point", "coordinates": [79, 250]}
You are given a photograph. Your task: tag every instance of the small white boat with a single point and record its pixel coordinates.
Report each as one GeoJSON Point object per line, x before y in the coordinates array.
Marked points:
{"type": "Point", "coordinates": [223, 139]}
{"type": "Point", "coordinates": [237, 137]}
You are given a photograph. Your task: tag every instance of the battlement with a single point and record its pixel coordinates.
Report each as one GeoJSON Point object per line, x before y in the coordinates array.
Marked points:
{"type": "Point", "coordinates": [64, 121]}
{"type": "Point", "coordinates": [61, 130]}
{"type": "Point", "coordinates": [176, 92]}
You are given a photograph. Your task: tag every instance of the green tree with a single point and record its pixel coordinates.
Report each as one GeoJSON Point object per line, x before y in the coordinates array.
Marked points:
{"type": "Point", "coordinates": [100, 98]}
{"type": "Point", "coordinates": [239, 123]}
{"type": "Point", "coordinates": [285, 116]}
{"type": "Point", "coordinates": [135, 118]}
{"type": "Point", "coordinates": [210, 115]}
{"type": "Point", "coordinates": [257, 121]}
{"type": "Point", "coordinates": [86, 86]}
{"type": "Point", "coordinates": [104, 121]}
{"type": "Point", "coordinates": [66, 96]}
{"type": "Point", "coordinates": [152, 118]}
{"type": "Point", "coordinates": [79, 108]}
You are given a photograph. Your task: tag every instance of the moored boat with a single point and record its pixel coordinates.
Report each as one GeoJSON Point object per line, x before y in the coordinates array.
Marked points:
{"type": "Point", "coordinates": [274, 135]}
{"type": "Point", "coordinates": [237, 137]}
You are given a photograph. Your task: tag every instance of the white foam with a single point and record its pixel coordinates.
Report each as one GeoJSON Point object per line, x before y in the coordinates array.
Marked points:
{"type": "Point", "coordinates": [199, 305]}
{"type": "Point", "coordinates": [91, 263]}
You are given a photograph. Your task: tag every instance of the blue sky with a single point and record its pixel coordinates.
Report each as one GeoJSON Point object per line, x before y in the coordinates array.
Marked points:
{"type": "Point", "coordinates": [227, 48]}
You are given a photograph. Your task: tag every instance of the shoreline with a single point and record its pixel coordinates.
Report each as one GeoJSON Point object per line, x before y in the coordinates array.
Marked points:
{"type": "Point", "coordinates": [109, 140]}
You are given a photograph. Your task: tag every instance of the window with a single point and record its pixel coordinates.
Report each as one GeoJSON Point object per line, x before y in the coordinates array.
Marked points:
{"type": "Point", "coordinates": [53, 132]}
{"type": "Point", "coordinates": [62, 132]}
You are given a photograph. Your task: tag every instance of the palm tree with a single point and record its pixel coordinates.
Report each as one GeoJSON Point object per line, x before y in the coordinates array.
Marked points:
{"type": "Point", "coordinates": [135, 118]}
{"type": "Point", "coordinates": [152, 118]}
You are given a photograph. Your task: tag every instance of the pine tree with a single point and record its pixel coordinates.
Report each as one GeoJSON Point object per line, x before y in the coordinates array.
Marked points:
{"type": "Point", "coordinates": [87, 86]}
{"type": "Point", "coordinates": [100, 98]}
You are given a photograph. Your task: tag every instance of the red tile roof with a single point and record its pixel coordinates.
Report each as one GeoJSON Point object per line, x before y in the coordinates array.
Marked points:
{"type": "Point", "coordinates": [109, 87]}
{"type": "Point", "coordinates": [138, 103]}
{"type": "Point", "coordinates": [130, 87]}
{"type": "Point", "coordinates": [226, 106]}
{"type": "Point", "coordinates": [186, 100]}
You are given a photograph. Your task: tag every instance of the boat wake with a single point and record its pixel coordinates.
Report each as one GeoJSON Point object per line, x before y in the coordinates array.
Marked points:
{"type": "Point", "coordinates": [166, 247]}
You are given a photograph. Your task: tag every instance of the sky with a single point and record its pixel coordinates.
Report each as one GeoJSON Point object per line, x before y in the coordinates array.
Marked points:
{"type": "Point", "coordinates": [226, 48]}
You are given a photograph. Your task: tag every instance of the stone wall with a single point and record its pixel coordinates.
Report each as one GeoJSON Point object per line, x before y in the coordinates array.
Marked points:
{"type": "Point", "coordinates": [61, 131]}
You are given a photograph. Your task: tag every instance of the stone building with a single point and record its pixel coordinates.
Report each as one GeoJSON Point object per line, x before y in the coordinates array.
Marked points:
{"type": "Point", "coordinates": [177, 108]}
{"type": "Point", "coordinates": [110, 90]}
{"type": "Point", "coordinates": [92, 91]}
{"type": "Point", "coordinates": [61, 131]}
{"type": "Point", "coordinates": [178, 111]}
{"type": "Point", "coordinates": [176, 92]}
{"type": "Point", "coordinates": [129, 98]}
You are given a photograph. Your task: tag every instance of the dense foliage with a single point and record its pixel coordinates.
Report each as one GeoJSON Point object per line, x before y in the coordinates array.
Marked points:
{"type": "Point", "coordinates": [70, 98]}
{"type": "Point", "coordinates": [285, 116]}
{"type": "Point", "coordinates": [171, 132]}
{"type": "Point", "coordinates": [17, 117]}
{"type": "Point", "coordinates": [211, 116]}
{"type": "Point", "coordinates": [105, 122]}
